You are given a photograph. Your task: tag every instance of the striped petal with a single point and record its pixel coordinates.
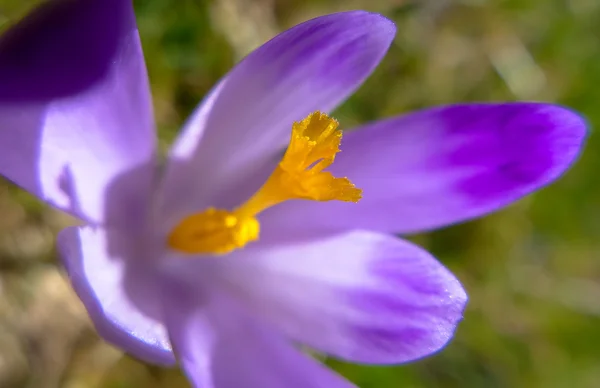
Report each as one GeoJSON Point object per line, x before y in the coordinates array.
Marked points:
{"type": "Point", "coordinates": [247, 118]}
{"type": "Point", "coordinates": [441, 166]}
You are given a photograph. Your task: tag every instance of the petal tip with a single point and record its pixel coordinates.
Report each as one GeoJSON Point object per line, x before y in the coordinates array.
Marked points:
{"type": "Point", "coordinates": [525, 147]}
{"type": "Point", "coordinates": [377, 20]}
{"type": "Point", "coordinates": [415, 312]}
{"type": "Point", "coordinates": [377, 24]}
{"type": "Point", "coordinates": [551, 144]}
{"type": "Point", "coordinates": [570, 133]}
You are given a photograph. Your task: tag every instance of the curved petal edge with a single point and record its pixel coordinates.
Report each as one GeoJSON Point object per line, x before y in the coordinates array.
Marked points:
{"type": "Point", "coordinates": [123, 303]}
{"type": "Point", "coordinates": [360, 296]}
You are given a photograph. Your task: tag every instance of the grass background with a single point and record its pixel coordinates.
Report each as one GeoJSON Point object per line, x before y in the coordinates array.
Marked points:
{"type": "Point", "coordinates": [532, 270]}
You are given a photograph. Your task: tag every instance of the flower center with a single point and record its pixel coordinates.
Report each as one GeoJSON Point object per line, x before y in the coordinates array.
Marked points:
{"type": "Point", "coordinates": [300, 175]}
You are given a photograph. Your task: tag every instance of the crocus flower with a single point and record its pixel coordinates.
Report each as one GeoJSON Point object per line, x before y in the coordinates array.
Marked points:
{"type": "Point", "coordinates": [255, 234]}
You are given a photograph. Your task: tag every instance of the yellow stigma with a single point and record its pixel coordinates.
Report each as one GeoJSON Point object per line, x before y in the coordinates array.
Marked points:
{"type": "Point", "coordinates": [313, 145]}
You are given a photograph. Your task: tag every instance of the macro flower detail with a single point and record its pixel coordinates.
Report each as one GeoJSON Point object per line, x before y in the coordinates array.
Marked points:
{"type": "Point", "coordinates": [257, 234]}
{"type": "Point", "coordinates": [313, 145]}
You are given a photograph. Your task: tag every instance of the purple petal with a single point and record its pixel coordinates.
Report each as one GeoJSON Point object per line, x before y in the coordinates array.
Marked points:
{"type": "Point", "coordinates": [360, 296]}
{"type": "Point", "coordinates": [119, 291]}
{"type": "Point", "coordinates": [41, 57]}
{"type": "Point", "coordinates": [75, 109]}
{"type": "Point", "coordinates": [247, 118]}
{"type": "Point", "coordinates": [220, 346]}
{"type": "Point", "coordinates": [441, 166]}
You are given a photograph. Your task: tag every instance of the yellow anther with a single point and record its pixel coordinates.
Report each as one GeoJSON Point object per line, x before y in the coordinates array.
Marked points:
{"type": "Point", "coordinates": [213, 231]}
{"type": "Point", "coordinates": [313, 145]}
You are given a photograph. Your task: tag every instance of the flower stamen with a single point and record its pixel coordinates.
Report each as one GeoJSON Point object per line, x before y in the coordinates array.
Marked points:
{"type": "Point", "coordinates": [313, 146]}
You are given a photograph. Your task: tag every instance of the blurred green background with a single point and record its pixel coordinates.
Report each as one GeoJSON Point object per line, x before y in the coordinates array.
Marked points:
{"type": "Point", "coordinates": [532, 270]}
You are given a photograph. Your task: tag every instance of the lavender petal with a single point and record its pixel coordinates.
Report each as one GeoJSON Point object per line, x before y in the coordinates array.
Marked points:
{"type": "Point", "coordinates": [248, 117]}
{"type": "Point", "coordinates": [75, 110]}
{"type": "Point", "coordinates": [220, 346]}
{"type": "Point", "coordinates": [121, 298]}
{"type": "Point", "coordinates": [360, 296]}
{"type": "Point", "coordinates": [441, 166]}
